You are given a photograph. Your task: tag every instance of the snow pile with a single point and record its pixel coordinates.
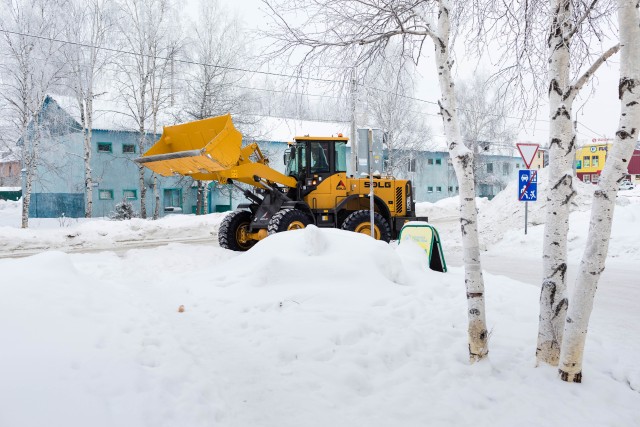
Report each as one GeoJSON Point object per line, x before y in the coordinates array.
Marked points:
{"type": "Point", "coordinates": [310, 328]}
{"type": "Point", "coordinates": [96, 234]}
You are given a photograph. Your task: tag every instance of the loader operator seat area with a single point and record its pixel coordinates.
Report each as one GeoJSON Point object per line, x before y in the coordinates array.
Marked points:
{"type": "Point", "coordinates": [319, 154]}
{"type": "Point", "coordinates": [324, 158]}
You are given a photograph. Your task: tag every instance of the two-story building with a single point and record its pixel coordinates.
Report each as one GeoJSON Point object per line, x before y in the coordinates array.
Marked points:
{"type": "Point", "coordinates": [58, 185]}
{"type": "Point", "coordinates": [590, 160]}
{"type": "Point", "coordinates": [58, 181]}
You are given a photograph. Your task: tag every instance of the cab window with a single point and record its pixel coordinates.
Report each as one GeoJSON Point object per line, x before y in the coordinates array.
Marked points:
{"type": "Point", "coordinates": [319, 157]}
{"type": "Point", "coordinates": [341, 156]}
{"type": "Point", "coordinates": [297, 161]}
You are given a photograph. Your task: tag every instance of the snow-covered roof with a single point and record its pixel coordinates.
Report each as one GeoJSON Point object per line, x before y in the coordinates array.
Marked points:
{"type": "Point", "coordinates": [8, 156]}
{"type": "Point", "coordinates": [108, 114]}
{"type": "Point", "coordinates": [284, 129]}
{"type": "Point", "coordinates": [10, 188]}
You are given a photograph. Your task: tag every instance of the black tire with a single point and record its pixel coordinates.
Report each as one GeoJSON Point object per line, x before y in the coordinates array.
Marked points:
{"type": "Point", "coordinates": [360, 222]}
{"type": "Point", "coordinates": [288, 219]}
{"type": "Point", "coordinates": [233, 227]}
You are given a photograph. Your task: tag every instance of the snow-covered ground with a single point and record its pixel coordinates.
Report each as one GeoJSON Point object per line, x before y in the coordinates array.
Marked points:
{"type": "Point", "coordinates": [310, 328]}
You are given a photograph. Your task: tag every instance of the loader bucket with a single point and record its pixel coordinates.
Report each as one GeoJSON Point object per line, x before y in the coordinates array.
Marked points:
{"type": "Point", "coordinates": [203, 146]}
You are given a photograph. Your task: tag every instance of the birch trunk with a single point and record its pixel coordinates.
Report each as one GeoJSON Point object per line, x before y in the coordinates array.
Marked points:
{"type": "Point", "coordinates": [156, 195]}
{"type": "Point", "coordinates": [199, 198]}
{"type": "Point", "coordinates": [206, 197]}
{"type": "Point", "coordinates": [141, 169]}
{"type": "Point", "coordinates": [463, 166]}
{"type": "Point", "coordinates": [595, 254]}
{"type": "Point", "coordinates": [28, 165]}
{"type": "Point", "coordinates": [156, 191]}
{"type": "Point", "coordinates": [88, 178]}
{"type": "Point", "coordinates": [553, 299]}
{"type": "Point", "coordinates": [30, 152]}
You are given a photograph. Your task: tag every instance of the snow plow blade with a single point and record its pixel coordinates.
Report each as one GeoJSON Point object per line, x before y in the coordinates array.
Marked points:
{"type": "Point", "coordinates": [203, 146]}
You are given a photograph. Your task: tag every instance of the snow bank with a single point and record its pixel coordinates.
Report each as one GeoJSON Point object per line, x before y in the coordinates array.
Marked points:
{"type": "Point", "coordinates": [309, 328]}
{"type": "Point", "coordinates": [75, 234]}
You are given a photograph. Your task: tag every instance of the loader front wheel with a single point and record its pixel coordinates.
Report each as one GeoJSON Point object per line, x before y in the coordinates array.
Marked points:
{"type": "Point", "coordinates": [288, 219]}
{"type": "Point", "coordinates": [360, 222]}
{"type": "Point", "coordinates": [233, 232]}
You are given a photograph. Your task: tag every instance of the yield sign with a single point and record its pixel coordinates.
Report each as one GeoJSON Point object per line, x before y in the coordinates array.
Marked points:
{"type": "Point", "coordinates": [528, 152]}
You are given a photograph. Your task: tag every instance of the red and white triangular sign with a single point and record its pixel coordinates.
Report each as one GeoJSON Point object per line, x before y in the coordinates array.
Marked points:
{"type": "Point", "coordinates": [528, 152]}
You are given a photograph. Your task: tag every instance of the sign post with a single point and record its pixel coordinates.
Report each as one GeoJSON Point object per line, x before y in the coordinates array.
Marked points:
{"type": "Point", "coordinates": [527, 190]}
{"type": "Point", "coordinates": [527, 179]}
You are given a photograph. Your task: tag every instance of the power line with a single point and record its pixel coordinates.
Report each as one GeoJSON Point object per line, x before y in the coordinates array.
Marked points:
{"type": "Point", "coordinates": [244, 70]}
{"type": "Point", "coordinates": [165, 58]}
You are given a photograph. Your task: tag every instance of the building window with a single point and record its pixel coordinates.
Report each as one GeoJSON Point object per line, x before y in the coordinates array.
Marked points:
{"type": "Point", "coordinates": [438, 161]}
{"type": "Point", "coordinates": [439, 189]}
{"type": "Point", "coordinates": [104, 147]}
{"type": "Point", "coordinates": [594, 178]}
{"type": "Point", "coordinates": [130, 194]}
{"type": "Point", "coordinates": [585, 162]}
{"type": "Point", "coordinates": [412, 165]}
{"type": "Point", "coordinates": [450, 189]}
{"type": "Point", "coordinates": [429, 189]}
{"type": "Point", "coordinates": [429, 161]}
{"type": "Point", "coordinates": [489, 167]}
{"type": "Point", "coordinates": [128, 148]}
{"type": "Point", "coordinates": [105, 195]}
{"type": "Point", "coordinates": [172, 199]}
{"type": "Point", "coordinates": [594, 161]}
{"type": "Point", "coordinates": [587, 178]}
{"type": "Point", "coordinates": [506, 169]}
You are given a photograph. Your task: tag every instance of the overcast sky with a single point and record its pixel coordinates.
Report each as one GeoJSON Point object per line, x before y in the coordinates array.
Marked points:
{"type": "Point", "coordinates": [597, 117]}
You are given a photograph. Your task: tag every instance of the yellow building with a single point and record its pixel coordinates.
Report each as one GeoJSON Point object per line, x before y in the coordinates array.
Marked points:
{"type": "Point", "coordinates": [590, 161]}
{"type": "Point", "coordinates": [540, 159]}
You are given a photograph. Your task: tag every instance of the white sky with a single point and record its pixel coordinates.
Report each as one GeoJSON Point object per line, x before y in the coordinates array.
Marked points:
{"type": "Point", "coordinates": [597, 118]}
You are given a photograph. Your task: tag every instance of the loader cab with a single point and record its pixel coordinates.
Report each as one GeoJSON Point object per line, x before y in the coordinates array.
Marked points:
{"type": "Point", "coordinates": [311, 159]}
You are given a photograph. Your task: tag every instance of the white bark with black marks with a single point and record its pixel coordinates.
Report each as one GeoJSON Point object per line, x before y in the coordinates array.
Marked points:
{"type": "Point", "coordinates": [615, 169]}
{"type": "Point", "coordinates": [562, 144]}
{"type": "Point", "coordinates": [463, 164]}
{"type": "Point", "coordinates": [553, 298]}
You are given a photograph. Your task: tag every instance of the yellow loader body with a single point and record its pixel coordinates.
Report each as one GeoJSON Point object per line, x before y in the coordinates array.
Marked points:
{"type": "Point", "coordinates": [315, 189]}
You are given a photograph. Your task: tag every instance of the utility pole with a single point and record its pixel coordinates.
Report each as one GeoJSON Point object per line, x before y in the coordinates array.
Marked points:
{"type": "Point", "coordinates": [354, 97]}
{"type": "Point", "coordinates": [371, 194]}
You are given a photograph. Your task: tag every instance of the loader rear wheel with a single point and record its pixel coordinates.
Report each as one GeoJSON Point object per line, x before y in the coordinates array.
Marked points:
{"type": "Point", "coordinates": [360, 222]}
{"type": "Point", "coordinates": [288, 219]}
{"type": "Point", "coordinates": [234, 230]}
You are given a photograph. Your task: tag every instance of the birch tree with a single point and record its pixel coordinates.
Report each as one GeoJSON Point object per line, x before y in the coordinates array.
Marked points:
{"type": "Point", "coordinates": [563, 41]}
{"type": "Point", "coordinates": [604, 198]}
{"type": "Point", "coordinates": [217, 50]}
{"type": "Point", "coordinates": [343, 34]}
{"type": "Point", "coordinates": [484, 125]}
{"type": "Point", "coordinates": [150, 32]}
{"type": "Point", "coordinates": [562, 141]}
{"type": "Point", "coordinates": [88, 28]}
{"type": "Point", "coordinates": [32, 69]}
{"type": "Point", "coordinates": [388, 88]}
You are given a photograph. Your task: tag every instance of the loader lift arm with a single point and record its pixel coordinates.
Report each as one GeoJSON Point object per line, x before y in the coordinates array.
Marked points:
{"type": "Point", "coordinates": [210, 150]}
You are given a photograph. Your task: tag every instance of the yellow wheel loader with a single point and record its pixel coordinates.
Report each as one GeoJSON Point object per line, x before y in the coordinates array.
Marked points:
{"type": "Point", "coordinates": [314, 189]}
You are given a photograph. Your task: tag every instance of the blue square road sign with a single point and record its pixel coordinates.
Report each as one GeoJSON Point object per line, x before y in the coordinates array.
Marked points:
{"type": "Point", "coordinates": [527, 185]}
